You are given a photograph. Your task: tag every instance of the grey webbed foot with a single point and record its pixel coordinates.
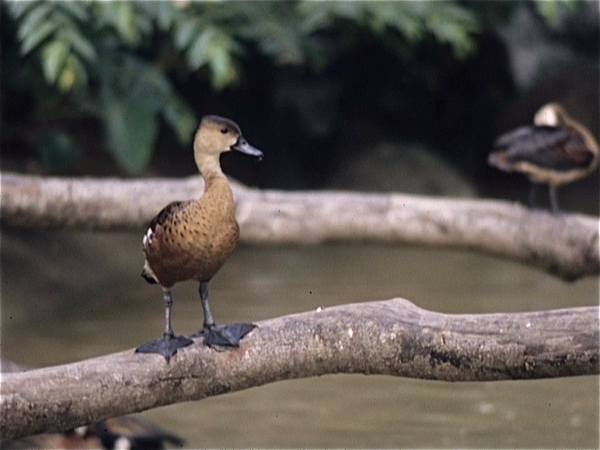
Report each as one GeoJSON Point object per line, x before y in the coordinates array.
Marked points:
{"type": "Point", "coordinates": [225, 335]}
{"type": "Point", "coordinates": [166, 346]}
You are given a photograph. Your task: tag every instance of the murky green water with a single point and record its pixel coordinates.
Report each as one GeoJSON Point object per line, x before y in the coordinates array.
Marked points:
{"type": "Point", "coordinates": [70, 296]}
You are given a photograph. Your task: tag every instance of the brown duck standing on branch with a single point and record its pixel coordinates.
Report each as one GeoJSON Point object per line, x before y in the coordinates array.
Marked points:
{"type": "Point", "coordinates": [191, 240]}
{"type": "Point", "coordinates": [556, 150]}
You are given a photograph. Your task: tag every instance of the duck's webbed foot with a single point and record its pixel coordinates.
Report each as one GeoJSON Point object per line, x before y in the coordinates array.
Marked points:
{"type": "Point", "coordinates": [226, 335]}
{"type": "Point", "coordinates": [166, 346]}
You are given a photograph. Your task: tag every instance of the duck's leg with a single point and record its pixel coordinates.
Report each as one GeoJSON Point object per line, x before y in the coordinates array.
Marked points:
{"type": "Point", "coordinates": [169, 343]}
{"type": "Point", "coordinates": [227, 335]}
{"type": "Point", "coordinates": [532, 195]}
{"type": "Point", "coordinates": [208, 317]}
{"type": "Point", "coordinates": [553, 199]}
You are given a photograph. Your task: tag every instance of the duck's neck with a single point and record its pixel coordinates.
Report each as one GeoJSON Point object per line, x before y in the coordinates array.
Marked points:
{"type": "Point", "coordinates": [217, 190]}
{"type": "Point", "coordinates": [210, 167]}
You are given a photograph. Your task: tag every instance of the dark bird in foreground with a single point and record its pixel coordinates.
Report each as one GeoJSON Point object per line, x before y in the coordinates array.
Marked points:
{"type": "Point", "coordinates": [125, 432]}
{"type": "Point", "coordinates": [191, 240]}
{"type": "Point", "coordinates": [556, 150]}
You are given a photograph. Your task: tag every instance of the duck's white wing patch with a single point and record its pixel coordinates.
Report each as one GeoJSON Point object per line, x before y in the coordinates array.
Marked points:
{"type": "Point", "coordinates": [148, 238]}
{"type": "Point", "coordinates": [123, 443]}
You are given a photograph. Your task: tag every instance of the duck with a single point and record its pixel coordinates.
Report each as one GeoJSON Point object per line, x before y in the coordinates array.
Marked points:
{"type": "Point", "coordinates": [121, 432]}
{"type": "Point", "coordinates": [555, 150]}
{"type": "Point", "coordinates": [191, 240]}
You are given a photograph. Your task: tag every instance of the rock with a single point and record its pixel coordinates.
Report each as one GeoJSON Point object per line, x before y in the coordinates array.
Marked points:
{"type": "Point", "coordinates": [408, 168]}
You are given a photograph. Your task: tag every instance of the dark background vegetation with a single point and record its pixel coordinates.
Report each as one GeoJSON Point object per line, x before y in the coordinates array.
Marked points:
{"type": "Point", "coordinates": [336, 94]}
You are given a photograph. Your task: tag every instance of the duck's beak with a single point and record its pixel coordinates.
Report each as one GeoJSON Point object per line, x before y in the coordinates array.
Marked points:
{"type": "Point", "coordinates": [242, 146]}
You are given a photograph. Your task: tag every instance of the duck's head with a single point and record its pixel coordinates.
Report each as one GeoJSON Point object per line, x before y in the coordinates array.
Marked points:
{"type": "Point", "coordinates": [218, 135]}
{"type": "Point", "coordinates": [550, 115]}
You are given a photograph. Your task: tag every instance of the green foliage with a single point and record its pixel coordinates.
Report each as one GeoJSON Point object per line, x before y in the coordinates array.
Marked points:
{"type": "Point", "coordinates": [553, 11]}
{"type": "Point", "coordinates": [128, 104]}
{"type": "Point", "coordinates": [448, 22]}
{"type": "Point", "coordinates": [57, 150]}
{"type": "Point", "coordinates": [90, 51]}
{"type": "Point", "coordinates": [54, 29]}
{"type": "Point", "coordinates": [113, 59]}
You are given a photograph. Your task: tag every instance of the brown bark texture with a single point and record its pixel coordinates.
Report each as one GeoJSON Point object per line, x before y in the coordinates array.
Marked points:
{"type": "Point", "coordinates": [565, 245]}
{"type": "Point", "coordinates": [392, 337]}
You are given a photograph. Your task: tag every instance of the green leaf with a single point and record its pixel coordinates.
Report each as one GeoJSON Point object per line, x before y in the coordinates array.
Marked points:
{"type": "Point", "coordinates": [314, 17]}
{"type": "Point", "coordinates": [453, 24]}
{"type": "Point", "coordinates": [123, 21]}
{"type": "Point", "coordinates": [406, 17]}
{"type": "Point", "coordinates": [349, 10]}
{"type": "Point", "coordinates": [79, 43]}
{"type": "Point", "coordinates": [222, 68]}
{"type": "Point", "coordinates": [184, 33]}
{"type": "Point", "coordinates": [197, 54]}
{"type": "Point", "coordinates": [17, 9]}
{"type": "Point", "coordinates": [122, 17]}
{"type": "Point", "coordinates": [162, 12]}
{"type": "Point", "coordinates": [79, 10]}
{"type": "Point", "coordinates": [131, 130]}
{"type": "Point", "coordinates": [37, 36]}
{"type": "Point", "coordinates": [33, 19]}
{"type": "Point", "coordinates": [553, 11]}
{"type": "Point", "coordinates": [151, 87]}
{"type": "Point", "coordinates": [462, 44]}
{"type": "Point", "coordinates": [73, 74]}
{"type": "Point", "coordinates": [54, 57]}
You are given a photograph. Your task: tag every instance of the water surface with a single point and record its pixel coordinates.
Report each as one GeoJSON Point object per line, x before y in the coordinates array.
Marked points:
{"type": "Point", "coordinates": [71, 296]}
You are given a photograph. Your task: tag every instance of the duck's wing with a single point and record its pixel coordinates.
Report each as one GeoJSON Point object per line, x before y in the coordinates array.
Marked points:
{"type": "Point", "coordinates": [159, 244]}
{"type": "Point", "coordinates": [547, 147]}
{"type": "Point", "coordinates": [162, 218]}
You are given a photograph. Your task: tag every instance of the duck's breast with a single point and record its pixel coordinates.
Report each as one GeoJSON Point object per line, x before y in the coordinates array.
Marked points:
{"type": "Point", "coordinates": [214, 235]}
{"type": "Point", "coordinates": [192, 240]}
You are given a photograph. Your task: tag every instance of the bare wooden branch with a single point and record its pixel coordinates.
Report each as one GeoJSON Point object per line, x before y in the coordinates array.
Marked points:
{"type": "Point", "coordinates": [391, 337]}
{"type": "Point", "coordinates": [565, 245]}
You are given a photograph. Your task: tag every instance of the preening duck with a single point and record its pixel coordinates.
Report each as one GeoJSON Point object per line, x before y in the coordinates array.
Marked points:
{"type": "Point", "coordinates": [556, 150]}
{"type": "Point", "coordinates": [191, 240]}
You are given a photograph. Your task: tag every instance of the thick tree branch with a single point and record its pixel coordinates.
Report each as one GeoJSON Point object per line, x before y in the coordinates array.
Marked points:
{"type": "Point", "coordinates": [565, 245]}
{"type": "Point", "coordinates": [388, 337]}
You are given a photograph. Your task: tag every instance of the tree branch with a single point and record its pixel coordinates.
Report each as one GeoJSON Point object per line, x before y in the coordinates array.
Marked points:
{"type": "Point", "coordinates": [387, 337]}
{"type": "Point", "coordinates": [566, 246]}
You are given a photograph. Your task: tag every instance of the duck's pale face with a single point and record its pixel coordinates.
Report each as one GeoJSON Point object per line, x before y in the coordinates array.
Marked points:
{"type": "Point", "coordinates": [218, 135]}
{"type": "Point", "coordinates": [550, 116]}
{"type": "Point", "coordinates": [213, 138]}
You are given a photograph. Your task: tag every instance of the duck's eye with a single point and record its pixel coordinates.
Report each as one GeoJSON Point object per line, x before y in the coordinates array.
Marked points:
{"type": "Point", "coordinates": [224, 130]}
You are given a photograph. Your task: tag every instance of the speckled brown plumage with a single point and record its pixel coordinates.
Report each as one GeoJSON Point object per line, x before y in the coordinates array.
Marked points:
{"type": "Point", "coordinates": [191, 240]}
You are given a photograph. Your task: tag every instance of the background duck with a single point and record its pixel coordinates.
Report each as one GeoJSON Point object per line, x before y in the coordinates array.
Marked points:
{"type": "Point", "coordinates": [191, 240]}
{"type": "Point", "coordinates": [117, 433]}
{"type": "Point", "coordinates": [556, 150]}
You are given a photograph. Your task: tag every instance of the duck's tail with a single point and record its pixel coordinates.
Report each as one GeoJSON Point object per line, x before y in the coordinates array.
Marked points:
{"type": "Point", "coordinates": [500, 161]}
